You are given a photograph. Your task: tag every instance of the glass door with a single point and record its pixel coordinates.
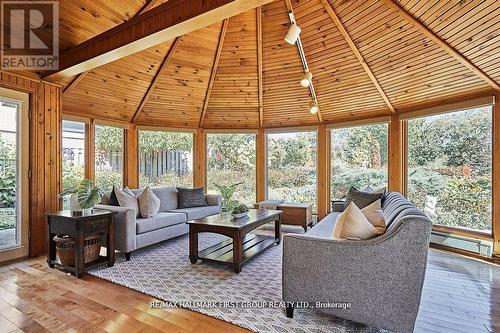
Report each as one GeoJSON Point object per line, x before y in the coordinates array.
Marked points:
{"type": "Point", "coordinates": [13, 175]}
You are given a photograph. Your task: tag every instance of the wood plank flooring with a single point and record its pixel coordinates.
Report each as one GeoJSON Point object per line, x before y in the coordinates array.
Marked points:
{"type": "Point", "coordinates": [460, 295]}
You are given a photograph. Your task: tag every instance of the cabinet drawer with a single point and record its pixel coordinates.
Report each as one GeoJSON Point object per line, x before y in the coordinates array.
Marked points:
{"type": "Point", "coordinates": [95, 226]}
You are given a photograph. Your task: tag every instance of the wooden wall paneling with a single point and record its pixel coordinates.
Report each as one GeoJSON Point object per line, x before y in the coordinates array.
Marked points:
{"type": "Point", "coordinates": [443, 44]}
{"type": "Point", "coordinates": [156, 78]}
{"type": "Point", "coordinates": [131, 163]}
{"type": "Point", "coordinates": [178, 98]}
{"type": "Point", "coordinates": [160, 24]}
{"type": "Point", "coordinates": [200, 157]}
{"type": "Point", "coordinates": [496, 178]}
{"type": "Point", "coordinates": [396, 162]}
{"type": "Point", "coordinates": [323, 171]}
{"type": "Point", "coordinates": [356, 52]}
{"type": "Point", "coordinates": [214, 71]}
{"type": "Point", "coordinates": [261, 165]}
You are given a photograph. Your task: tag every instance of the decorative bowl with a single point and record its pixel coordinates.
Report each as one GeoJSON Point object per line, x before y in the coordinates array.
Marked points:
{"type": "Point", "coordinates": [240, 215]}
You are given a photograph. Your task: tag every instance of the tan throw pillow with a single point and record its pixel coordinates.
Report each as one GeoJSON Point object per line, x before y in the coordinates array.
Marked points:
{"type": "Point", "coordinates": [127, 199]}
{"type": "Point", "coordinates": [352, 224]}
{"type": "Point", "coordinates": [149, 203]}
{"type": "Point", "coordinates": [375, 216]}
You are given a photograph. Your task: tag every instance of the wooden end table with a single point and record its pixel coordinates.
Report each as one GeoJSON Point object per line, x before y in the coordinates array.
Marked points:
{"type": "Point", "coordinates": [78, 227]}
{"type": "Point", "coordinates": [242, 246]}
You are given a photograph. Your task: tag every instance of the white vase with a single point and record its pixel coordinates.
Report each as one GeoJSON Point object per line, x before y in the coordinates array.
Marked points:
{"type": "Point", "coordinates": [74, 205]}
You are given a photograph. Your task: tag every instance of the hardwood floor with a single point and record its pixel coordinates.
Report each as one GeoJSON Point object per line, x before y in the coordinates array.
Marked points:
{"type": "Point", "coordinates": [460, 295]}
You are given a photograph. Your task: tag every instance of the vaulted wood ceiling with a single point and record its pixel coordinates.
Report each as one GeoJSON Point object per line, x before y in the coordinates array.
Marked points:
{"type": "Point", "coordinates": [369, 58]}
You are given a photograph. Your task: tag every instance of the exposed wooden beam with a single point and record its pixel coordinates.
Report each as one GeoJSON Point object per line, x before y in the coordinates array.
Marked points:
{"type": "Point", "coordinates": [356, 52]}
{"type": "Point", "coordinates": [73, 83]}
{"type": "Point", "coordinates": [160, 24]}
{"type": "Point", "coordinates": [156, 78]}
{"type": "Point", "coordinates": [259, 66]}
{"type": "Point", "coordinates": [80, 76]}
{"type": "Point", "coordinates": [443, 44]}
{"type": "Point", "coordinates": [214, 71]}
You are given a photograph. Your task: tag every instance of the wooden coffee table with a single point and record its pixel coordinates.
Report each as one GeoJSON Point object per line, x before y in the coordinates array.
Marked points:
{"type": "Point", "coordinates": [242, 246]}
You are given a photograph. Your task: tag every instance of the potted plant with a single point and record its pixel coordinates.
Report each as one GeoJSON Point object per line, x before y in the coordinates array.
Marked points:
{"type": "Point", "coordinates": [226, 192]}
{"type": "Point", "coordinates": [83, 197]}
{"type": "Point", "coordinates": [240, 211]}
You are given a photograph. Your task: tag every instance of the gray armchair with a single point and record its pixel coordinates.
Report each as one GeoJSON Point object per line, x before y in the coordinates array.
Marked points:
{"type": "Point", "coordinates": [380, 278]}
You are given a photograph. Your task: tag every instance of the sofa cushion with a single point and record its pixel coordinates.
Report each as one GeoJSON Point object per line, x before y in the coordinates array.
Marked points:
{"type": "Point", "coordinates": [353, 224]}
{"type": "Point", "coordinates": [191, 197]}
{"type": "Point", "coordinates": [127, 199]}
{"type": "Point", "coordinates": [167, 196]}
{"type": "Point", "coordinates": [362, 199]}
{"type": "Point", "coordinates": [149, 204]}
{"type": "Point", "coordinates": [194, 213]}
{"type": "Point", "coordinates": [375, 216]}
{"type": "Point", "coordinates": [160, 220]}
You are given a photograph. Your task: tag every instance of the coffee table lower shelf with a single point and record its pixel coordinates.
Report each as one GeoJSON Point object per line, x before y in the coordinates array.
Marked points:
{"type": "Point", "coordinates": [222, 252]}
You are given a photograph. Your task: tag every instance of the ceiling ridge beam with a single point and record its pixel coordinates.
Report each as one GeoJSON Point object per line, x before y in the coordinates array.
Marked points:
{"type": "Point", "coordinates": [214, 71]}
{"type": "Point", "coordinates": [156, 26]}
{"type": "Point", "coordinates": [156, 78]}
{"type": "Point", "coordinates": [302, 57]}
{"type": "Point", "coordinates": [80, 76]}
{"type": "Point", "coordinates": [357, 53]}
{"type": "Point", "coordinates": [441, 43]}
{"type": "Point", "coordinates": [259, 66]}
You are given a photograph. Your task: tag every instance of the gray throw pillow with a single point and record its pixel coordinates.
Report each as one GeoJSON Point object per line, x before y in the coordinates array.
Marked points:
{"type": "Point", "coordinates": [149, 204]}
{"type": "Point", "coordinates": [362, 199]}
{"type": "Point", "coordinates": [191, 197]}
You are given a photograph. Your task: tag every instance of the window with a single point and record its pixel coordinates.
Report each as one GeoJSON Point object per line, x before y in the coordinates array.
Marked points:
{"type": "Point", "coordinates": [291, 167]}
{"type": "Point", "coordinates": [73, 156]}
{"type": "Point", "coordinates": [165, 159]}
{"type": "Point", "coordinates": [230, 160]}
{"type": "Point", "coordinates": [358, 158]}
{"type": "Point", "coordinates": [9, 174]}
{"type": "Point", "coordinates": [449, 167]}
{"type": "Point", "coordinates": [108, 157]}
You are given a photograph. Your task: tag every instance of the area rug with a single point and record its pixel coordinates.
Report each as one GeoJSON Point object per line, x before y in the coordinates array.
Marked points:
{"type": "Point", "coordinates": [163, 271]}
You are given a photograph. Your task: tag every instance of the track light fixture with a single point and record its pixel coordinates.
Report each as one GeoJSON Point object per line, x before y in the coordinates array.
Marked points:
{"type": "Point", "coordinates": [306, 79]}
{"type": "Point", "coordinates": [292, 34]}
{"type": "Point", "coordinates": [313, 107]}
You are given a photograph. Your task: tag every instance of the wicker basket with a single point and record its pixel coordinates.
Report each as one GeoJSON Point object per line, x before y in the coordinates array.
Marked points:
{"type": "Point", "coordinates": [65, 247]}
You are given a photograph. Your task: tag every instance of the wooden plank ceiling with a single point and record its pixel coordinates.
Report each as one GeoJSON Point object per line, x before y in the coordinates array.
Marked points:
{"type": "Point", "coordinates": [368, 58]}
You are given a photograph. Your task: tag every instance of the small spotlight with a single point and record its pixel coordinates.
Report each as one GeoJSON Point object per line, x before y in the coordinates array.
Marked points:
{"type": "Point", "coordinates": [306, 79]}
{"type": "Point", "coordinates": [313, 107]}
{"type": "Point", "coordinates": [292, 34]}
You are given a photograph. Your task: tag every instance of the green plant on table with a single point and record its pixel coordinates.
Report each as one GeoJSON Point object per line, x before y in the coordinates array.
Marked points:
{"type": "Point", "coordinates": [227, 192]}
{"type": "Point", "coordinates": [240, 209]}
{"type": "Point", "coordinates": [88, 194]}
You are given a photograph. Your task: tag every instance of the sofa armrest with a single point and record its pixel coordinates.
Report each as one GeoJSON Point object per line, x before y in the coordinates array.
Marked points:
{"type": "Point", "coordinates": [125, 227]}
{"type": "Point", "coordinates": [380, 278]}
{"type": "Point", "coordinates": [214, 200]}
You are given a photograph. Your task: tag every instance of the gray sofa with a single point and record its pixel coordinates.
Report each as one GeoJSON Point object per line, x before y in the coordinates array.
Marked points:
{"type": "Point", "coordinates": [132, 233]}
{"type": "Point", "coordinates": [381, 278]}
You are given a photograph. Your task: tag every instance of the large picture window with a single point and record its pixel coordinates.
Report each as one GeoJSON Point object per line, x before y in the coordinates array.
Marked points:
{"type": "Point", "coordinates": [108, 157]}
{"type": "Point", "coordinates": [291, 167]}
{"type": "Point", "coordinates": [358, 158]}
{"type": "Point", "coordinates": [450, 167]}
{"type": "Point", "coordinates": [73, 156]}
{"type": "Point", "coordinates": [165, 159]}
{"type": "Point", "coordinates": [230, 160]}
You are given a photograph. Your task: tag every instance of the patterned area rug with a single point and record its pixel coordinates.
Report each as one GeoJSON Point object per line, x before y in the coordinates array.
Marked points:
{"type": "Point", "coordinates": [164, 272]}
